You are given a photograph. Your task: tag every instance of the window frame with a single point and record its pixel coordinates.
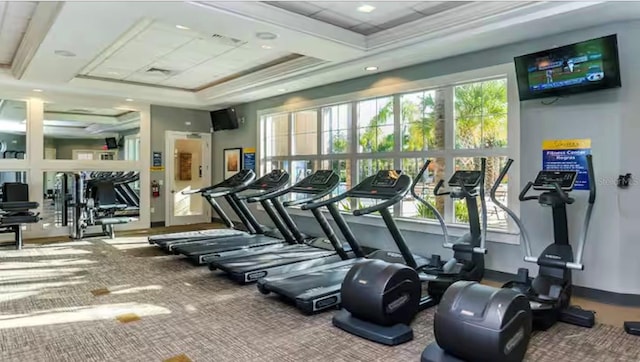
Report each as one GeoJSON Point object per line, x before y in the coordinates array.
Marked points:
{"type": "Point", "coordinates": [449, 153]}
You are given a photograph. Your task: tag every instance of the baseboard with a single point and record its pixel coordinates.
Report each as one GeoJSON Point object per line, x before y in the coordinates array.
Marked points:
{"type": "Point", "coordinates": [597, 295]}
{"type": "Point", "coordinates": [157, 224]}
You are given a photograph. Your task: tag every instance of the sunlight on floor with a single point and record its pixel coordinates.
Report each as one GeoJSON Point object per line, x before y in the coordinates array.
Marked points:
{"type": "Point", "coordinates": [116, 290]}
{"type": "Point", "coordinates": [79, 314]}
{"type": "Point", "coordinates": [9, 265]}
{"type": "Point", "coordinates": [26, 275]}
{"type": "Point", "coordinates": [129, 240]}
{"type": "Point", "coordinates": [39, 287]}
{"type": "Point", "coordinates": [44, 251]}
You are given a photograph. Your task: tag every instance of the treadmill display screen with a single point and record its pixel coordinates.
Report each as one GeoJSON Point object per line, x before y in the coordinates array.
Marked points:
{"type": "Point", "coordinates": [465, 178]}
{"type": "Point", "coordinates": [386, 178]}
{"type": "Point", "coordinates": [547, 179]}
{"type": "Point", "coordinates": [275, 175]}
{"type": "Point", "coordinates": [321, 177]}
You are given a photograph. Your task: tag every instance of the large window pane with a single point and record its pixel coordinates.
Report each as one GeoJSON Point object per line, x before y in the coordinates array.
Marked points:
{"type": "Point", "coordinates": [375, 125]}
{"type": "Point", "coordinates": [481, 115]}
{"type": "Point", "coordinates": [301, 169]}
{"type": "Point", "coordinates": [305, 133]}
{"type": "Point", "coordinates": [270, 165]}
{"type": "Point", "coordinates": [412, 208]}
{"type": "Point", "coordinates": [422, 120]}
{"type": "Point", "coordinates": [74, 132]}
{"type": "Point", "coordinates": [343, 169]}
{"type": "Point", "coordinates": [370, 167]}
{"type": "Point", "coordinates": [13, 129]}
{"type": "Point", "coordinates": [496, 217]}
{"type": "Point", "coordinates": [336, 129]}
{"type": "Point", "coordinates": [275, 135]}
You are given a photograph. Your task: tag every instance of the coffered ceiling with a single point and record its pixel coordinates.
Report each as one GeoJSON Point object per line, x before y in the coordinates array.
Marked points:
{"type": "Point", "coordinates": [209, 54]}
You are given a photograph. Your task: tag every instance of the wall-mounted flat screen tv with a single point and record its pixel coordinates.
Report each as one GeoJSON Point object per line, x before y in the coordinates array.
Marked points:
{"type": "Point", "coordinates": [581, 67]}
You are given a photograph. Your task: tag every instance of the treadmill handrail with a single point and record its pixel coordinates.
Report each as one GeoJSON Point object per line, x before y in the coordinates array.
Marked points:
{"type": "Point", "coordinates": [315, 205]}
{"type": "Point", "coordinates": [377, 207]}
{"type": "Point", "coordinates": [290, 189]}
{"type": "Point", "coordinates": [210, 189]}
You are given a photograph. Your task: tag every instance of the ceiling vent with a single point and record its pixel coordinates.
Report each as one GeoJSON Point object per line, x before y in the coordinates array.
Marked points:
{"type": "Point", "coordinates": [227, 40]}
{"type": "Point", "coordinates": [160, 71]}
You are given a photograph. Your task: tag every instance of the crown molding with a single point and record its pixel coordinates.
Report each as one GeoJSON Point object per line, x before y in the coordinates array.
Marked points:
{"type": "Point", "coordinates": [43, 18]}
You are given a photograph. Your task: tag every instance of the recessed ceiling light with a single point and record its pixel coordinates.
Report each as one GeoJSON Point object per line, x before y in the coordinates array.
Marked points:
{"type": "Point", "coordinates": [129, 100]}
{"type": "Point", "coordinates": [37, 90]}
{"type": "Point", "coordinates": [371, 68]}
{"type": "Point", "coordinates": [282, 90]}
{"type": "Point", "coordinates": [182, 27]}
{"type": "Point", "coordinates": [113, 73]}
{"type": "Point", "coordinates": [266, 47]}
{"type": "Point", "coordinates": [366, 8]}
{"type": "Point", "coordinates": [64, 53]}
{"type": "Point", "coordinates": [265, 35]}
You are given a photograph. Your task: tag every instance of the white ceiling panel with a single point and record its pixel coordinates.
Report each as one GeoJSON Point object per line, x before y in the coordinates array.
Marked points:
{"type": "Point", "coordinates": [336, 18]}
{"type": "Point", "coordinates": [14, 19]}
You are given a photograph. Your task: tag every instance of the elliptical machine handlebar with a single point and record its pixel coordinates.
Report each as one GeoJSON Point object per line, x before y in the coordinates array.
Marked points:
{"type": "Point", "coordinates": [563, 195]}
{"type": "Point", "coordinates": [523, 194]}
{"type": "Point", "coordinates": [435, 211]}
{"type": "Point", "coordinates": [439, 185]}
{"type": "Point", "coordinates": [526, 245]}
{"type": "Point", "coordinates": [587, 217]}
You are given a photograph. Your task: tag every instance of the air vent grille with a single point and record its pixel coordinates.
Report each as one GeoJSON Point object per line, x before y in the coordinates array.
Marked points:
{"type": "Point", "coordinates": [227, 40]}
{"type": "Point", "coordinates": [154, 70]}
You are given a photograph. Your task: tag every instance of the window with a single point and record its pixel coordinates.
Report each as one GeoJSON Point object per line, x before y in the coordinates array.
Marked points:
{"type": "Point", "coordinates": [453, 125]}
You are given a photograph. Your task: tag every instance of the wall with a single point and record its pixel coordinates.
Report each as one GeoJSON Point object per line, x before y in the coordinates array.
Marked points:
{"type": "Point", "coordinates": [609, 118]}
{"type": "Point", "coordinates": [173, 119]}
{"type": "Point", "coordinates": [65, 146]}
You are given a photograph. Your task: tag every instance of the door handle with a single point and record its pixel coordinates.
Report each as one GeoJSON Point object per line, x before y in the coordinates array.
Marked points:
{"type": "Point", "coordinates": [173, 191]}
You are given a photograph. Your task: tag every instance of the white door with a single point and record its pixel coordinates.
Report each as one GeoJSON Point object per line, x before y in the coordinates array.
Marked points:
{"type": "Point", "coordinates": [188, 162]}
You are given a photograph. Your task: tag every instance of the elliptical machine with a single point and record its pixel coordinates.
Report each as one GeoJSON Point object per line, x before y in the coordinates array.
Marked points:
{"type": "Point", "coordinates": [380, 299]}
{"type": "Point", "coordinates": [549, 292]}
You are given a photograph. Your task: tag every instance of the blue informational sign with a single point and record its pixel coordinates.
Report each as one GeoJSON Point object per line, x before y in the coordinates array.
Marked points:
{"type": "Point", "coordinates": [156, 159]}
{"type": "Point", "coordinates": [249, 159]}
{"type": "Point", "coordinates": [568, 155]}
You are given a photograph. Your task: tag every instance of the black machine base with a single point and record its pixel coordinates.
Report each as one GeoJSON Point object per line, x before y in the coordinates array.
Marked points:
{"type": "Point", "coordinates": [632, 328]}
{"type": "Point", "coordinates": [433, 353]}
{"type": "Point", "coordinates": [578, 317]}
{"type": "Point", "coordinates": [390, 336]}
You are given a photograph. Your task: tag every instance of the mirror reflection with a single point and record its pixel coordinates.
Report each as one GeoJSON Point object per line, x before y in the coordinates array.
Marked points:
{"type": "Point", "coordinates": [86, 133]}
{"type": "Point", "coordinates": [61, 188]}
{"type": "Point", "coordinates": [13, 129]}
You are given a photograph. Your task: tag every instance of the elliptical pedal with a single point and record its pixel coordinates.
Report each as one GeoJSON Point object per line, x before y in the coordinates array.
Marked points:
{"type": "Point", "coordinates": [580, 317]}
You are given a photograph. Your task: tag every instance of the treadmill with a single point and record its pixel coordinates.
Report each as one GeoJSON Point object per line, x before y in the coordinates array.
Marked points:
{"type": "Point", "coordinates": [266, 185]}
{"type": "Point", "coordinates": [226, 189]}
{"type": "Point", "coordinates": [252, 265]}
{"type": "Point", "coordinates": [318, 288]}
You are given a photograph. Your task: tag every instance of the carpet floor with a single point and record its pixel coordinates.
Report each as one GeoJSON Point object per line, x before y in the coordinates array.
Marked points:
{"type": "Point", "coordinates": [124, 300]}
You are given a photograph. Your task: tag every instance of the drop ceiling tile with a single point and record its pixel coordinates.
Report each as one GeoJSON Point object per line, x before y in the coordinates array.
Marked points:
{"type": "Point", "coordinates": [334, 18]}
{"type": "Point", "coordinates": [164, 38]}
{"type": "Point", "coordinates": [429, 8]}
{"type": "Point", "coordinates": [365, 29]}
{"type": "Point", "coordinates": [150, 78]}
{"type": "Point", "coordinates": [204, 47]}
{"type": "Point", "coordinates": [299, 7]}
{"type": "Point", "coordinates": [401, 20]}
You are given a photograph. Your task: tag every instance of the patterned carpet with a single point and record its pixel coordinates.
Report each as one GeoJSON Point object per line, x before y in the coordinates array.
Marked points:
{"type": "Point", "coordinates": [54, 307]}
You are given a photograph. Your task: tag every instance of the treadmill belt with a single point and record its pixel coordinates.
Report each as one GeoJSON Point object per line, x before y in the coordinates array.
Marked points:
{"type": "Point", "coordinates": [225, 244]}
{"type": "Point", "coordinates": [296, 286]}
{"type": "Point", "coordinates": [286, 256]}
{"type": "Point", "coordinates": [195, 234]}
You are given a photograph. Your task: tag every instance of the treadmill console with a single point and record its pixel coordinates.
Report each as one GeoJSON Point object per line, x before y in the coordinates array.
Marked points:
{"type": "Point", "coordinates": [386, 178]}
{"type": "Point", "coordinates": [547, 179]}
{"type": "Point", "coordinates": [321, 177]}
{"type": "Point", "coordinates": [238, 179]}
{"type": "Point", "coordinates": [275, 178]}
{"type": "Point", "coordinates": [318, 182]}
{"type": "Point", "coordinates": [465, 178]}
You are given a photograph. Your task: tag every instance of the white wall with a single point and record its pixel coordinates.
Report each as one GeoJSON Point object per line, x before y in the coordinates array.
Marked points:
{"type": "Point", "coordinates": [609, 118]}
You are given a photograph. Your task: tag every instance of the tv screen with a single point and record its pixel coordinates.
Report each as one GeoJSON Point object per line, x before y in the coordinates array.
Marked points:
{"type": "Point", "coordinates": [111, 142]}
{"type": "Point", "coordinates": [224, 119]}
{"type": "Point", "coordinates": [581, 67]}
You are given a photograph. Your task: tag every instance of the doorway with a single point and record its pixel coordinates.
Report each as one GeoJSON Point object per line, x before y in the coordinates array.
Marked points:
{"type": "Point", "coordinates": [188, 168]}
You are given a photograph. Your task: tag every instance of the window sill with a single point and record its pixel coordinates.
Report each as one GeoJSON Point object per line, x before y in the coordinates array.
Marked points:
{"type": "Point", "coordinates": [414, 225]}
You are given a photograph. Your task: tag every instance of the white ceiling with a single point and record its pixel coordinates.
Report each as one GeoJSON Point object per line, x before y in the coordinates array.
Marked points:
{"type": "Point", "coordinates": [183, 58]}
{"type": "Point", "coordinates": [386, 15]}
{"type": "Point", "coordinates": [14, 19]}
{"type": "Point", "coordinates": [114, 43]}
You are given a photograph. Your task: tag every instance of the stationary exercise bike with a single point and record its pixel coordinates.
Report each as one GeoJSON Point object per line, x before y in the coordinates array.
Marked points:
{"type": "Point", "coordinates": [549, 292]}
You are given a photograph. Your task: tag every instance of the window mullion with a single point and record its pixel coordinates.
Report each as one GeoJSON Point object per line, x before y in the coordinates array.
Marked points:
{"type": "Point", "coordinates": [397, 143]}
{"type": "Point", "coordinates": [449, 145]}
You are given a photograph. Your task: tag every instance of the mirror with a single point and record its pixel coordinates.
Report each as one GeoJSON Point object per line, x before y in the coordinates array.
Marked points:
{"type": "Point", "coordinates": [13, 129]}
{"type": "Point", "coordinates": [88, 133]}
{"type": "Point", "coordinates": [58, 188]}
